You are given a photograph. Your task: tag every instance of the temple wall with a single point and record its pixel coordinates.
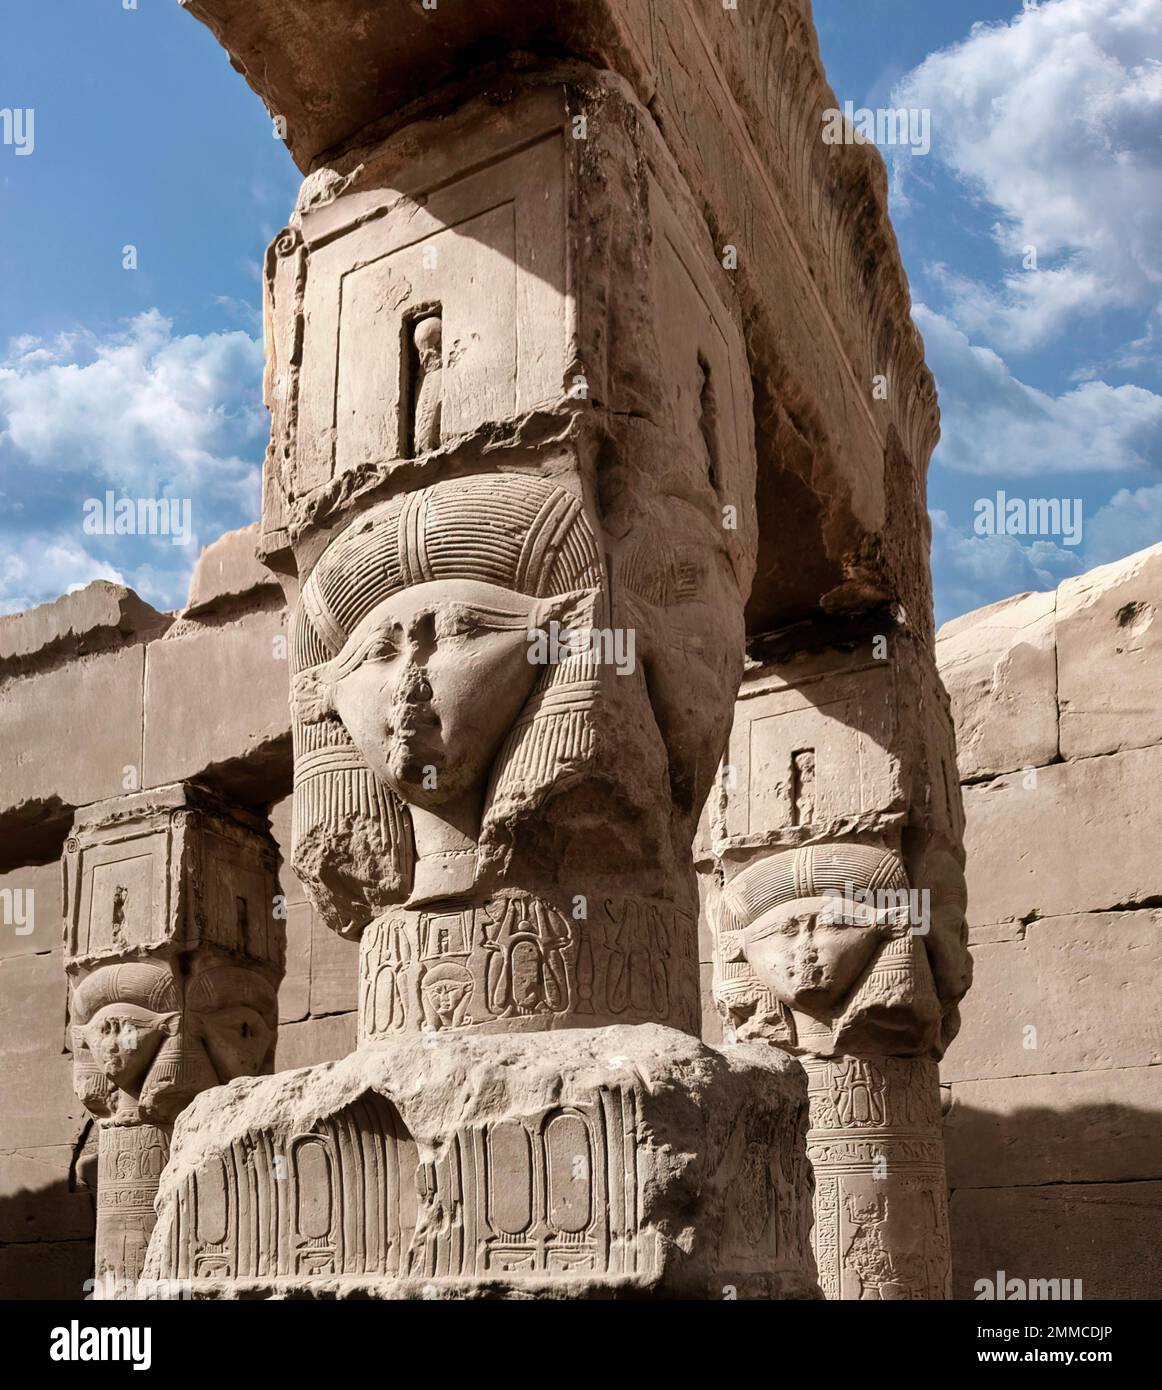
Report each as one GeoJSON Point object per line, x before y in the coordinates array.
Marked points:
{"type": "Point", "coordinates": [1054, 1132]}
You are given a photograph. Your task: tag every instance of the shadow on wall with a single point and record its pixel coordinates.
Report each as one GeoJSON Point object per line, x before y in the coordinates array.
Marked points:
{"type": "Point", "coordinates": [46, 1227]}
{"type": "Point", "coordinates": [1068, 1194]}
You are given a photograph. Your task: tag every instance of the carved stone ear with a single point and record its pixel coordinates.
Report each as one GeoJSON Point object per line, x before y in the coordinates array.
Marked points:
{"type": "Point", "coordinates": [311, 698]}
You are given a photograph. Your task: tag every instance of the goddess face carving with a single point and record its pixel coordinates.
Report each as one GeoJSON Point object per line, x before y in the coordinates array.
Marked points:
{"type": "Point", "coordinates": [430, 682]}
{"type": "Point", "coordinates": [810, 952]}
{"type": "Point", "coordinates": [124, 1039]}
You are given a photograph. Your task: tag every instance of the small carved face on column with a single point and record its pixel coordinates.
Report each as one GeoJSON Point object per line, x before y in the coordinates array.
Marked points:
{"type": "Point", "coordinates": [810, 952]}
{"type": "Point", "coordinates": [430, 682]}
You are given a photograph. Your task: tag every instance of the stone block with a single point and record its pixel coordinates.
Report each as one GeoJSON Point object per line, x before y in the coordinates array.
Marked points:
{"type": "Point", "coordinates": [228, 570]}
{"type": "Point", "coordinates": [98, 616]}
{"type": "Point", "coordinates": [1091, 1126]}
{"type": "Point", "coordinates": [1087, 985]}
{"type": "Point", "coordinates": [55, 1270]}
{"type": "Point", "coordinates": [294, 994]}
{"type": "Point", "coordinates": [1106, 1235]}
{"type": "Point", "coordinates": [1000, 668]}
{"type": "Point", "coordinates": [37, 1102]}
{"type": "Point", "coordinates": [1109, 653]}
{"type": "Point", "coordinates": [72, 735]}
{"type": "Point", "coordinates": [314, 1041]}
{"type": "Point", "coordinates": [812, 750]}
{"type": "Point", "coordinates": [334, 971]}
{"type": "Point", "coordinates": [216, 697]}
{"type": "Point", "coordinates": [560, 1166]}
{"type": "Point", "coordinates": [30, 910]}
{"type": "Point", "coordinates": [1073, 837]}
{"type": "Point", "coordinates": [35, 1201]}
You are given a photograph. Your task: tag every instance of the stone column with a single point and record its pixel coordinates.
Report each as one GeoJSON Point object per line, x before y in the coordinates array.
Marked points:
{"type": "Point", "coordinates": [512, 468]}
{"type": "Point", "coordinates": [174, 958]}
{"type": "Point", "coordinates": [836, 898]}
{"type": "Point", "coordinates": [571, 359]}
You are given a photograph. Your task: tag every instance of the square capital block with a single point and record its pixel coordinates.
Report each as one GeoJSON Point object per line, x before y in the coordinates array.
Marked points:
{"type": "Point", "coordinates": [534, 285]}
{"type": "Point", "coordinates": [162, 872]}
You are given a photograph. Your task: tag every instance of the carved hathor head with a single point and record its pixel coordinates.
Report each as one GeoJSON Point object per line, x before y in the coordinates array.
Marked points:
{"type": "Point", "coordinates": [826, 934]}
{"type": "Point", "coordinates": [412, 683]}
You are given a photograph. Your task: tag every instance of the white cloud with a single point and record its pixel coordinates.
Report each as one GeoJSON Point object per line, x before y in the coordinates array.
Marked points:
{"type": "Point", "coordinates": [994, 424]}
{"type": "Point", "coordinates": [970, 571]}
{"type": "Point", "coordinates": [65, 562]}
{"type": "Point", "coordinates": [1055, 120]}
{"type": "Point", "coordinates": [1129, 521]}
{"type": "Point", "coordinates": [143, 413]}
{"type": "Point", "coordinates": [139, 408]}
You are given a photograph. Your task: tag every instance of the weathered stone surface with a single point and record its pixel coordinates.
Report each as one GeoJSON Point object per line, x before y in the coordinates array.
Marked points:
{"type": "Point", "coordinates": [1091, 1126]}
{"type": "Point", "coordinates": [334, 971]}
{"type": "Point", "coordinates": [174, 955]}
{"type": "Point", "coordinates": [36, 1097]}
{"type": "Point", "coordinates": [512, 374]}
{"type": "Point", "coordinates": [1106, 1235]}
{"type": "Point", "coordinates": [588, 1163]}
{"type": "Point", "coordinates": [227, 571]}
{"type": "Point", "coordinates": [1000, 666]}
{"type": "Point", "coordinates": [60, 709]}
{"type": "Point", "coordinates": [37, 1204]}
{"type": "Point", "coordinates": [806, 229]}
{"type": "Point", "coordinates": [1109, 654]}
{"type": "Point", "coordinates": [240, 673]}
{"type": "Point", "coordinates": [315, 1041]}
{"type": "Point", "coordinates": [1089, 987]}
{"type": "Point", "coordinates": [30, 910]}
{"type": "Point", "coordinates": [46, 1270]}
{"type": "Point", "coordinates": [294, 994]}
{"type": "Point", "coordinates": [1074, 837]}
{"type": "Point", "coordinates": [90, 619]}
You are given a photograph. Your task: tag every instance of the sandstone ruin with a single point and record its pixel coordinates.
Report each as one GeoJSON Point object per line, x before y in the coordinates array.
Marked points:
{"type": "Point", "coordinates": [560, 766]}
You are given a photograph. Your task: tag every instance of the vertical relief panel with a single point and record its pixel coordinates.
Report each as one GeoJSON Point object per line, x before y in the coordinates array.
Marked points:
{"type": "Point", "coordinates": [468, 279]}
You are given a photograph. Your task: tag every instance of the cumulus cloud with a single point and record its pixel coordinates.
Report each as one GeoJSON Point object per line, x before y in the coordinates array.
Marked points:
{"type": "Point", "coordinates": [995, 424]}
{"type": "Point", "coordinates": [1129, 521]}
{"type": "Point", "coordinates": [141, 413]}
{"type": "Point", "coordinates": [1054, 120]}
{"type": "Point", "coordinates": [971, 571]}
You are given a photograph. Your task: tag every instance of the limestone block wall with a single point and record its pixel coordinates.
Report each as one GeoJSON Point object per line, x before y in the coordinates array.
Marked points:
{"type": "Point", "coordinates": [100, 696]}
{"type": "Point", "coordinates": [1054, 1132]}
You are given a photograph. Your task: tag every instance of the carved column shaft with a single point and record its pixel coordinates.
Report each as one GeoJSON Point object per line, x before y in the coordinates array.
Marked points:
{"type": "Point", "coordinates": [837, 900]}
{"type": "Point", "coordinates": [174, 957]}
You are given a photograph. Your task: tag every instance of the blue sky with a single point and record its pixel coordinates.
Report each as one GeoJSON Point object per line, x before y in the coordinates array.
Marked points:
{"type": "Point", "coordinates": [1046, 127]}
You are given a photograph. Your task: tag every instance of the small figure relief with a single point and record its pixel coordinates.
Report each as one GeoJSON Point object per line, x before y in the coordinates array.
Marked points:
{"type": "Point", "coordinates": [426, 377]}
{"type": "Point", "coordinates": [803, 787]}
{"type": "Point", "coordinates": [446, 991]}
{"type": "Point", "coordinates": [386, 998]}
{"type": "Point", "coordinates": [708, 423]}
{"type": "Point", "coordinates": [117, 924]}
{"type": "Point", "coordinates": [866, 1256]}
{"type": "Point", "coordinates": [910, 1262]}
